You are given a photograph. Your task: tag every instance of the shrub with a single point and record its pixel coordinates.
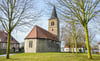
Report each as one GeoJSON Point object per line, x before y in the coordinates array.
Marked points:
{"type": "Point", "coordinates": [80, 50]}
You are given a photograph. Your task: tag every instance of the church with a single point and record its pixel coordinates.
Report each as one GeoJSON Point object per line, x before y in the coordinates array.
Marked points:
{"type": "Point", "coordinates": [41, 40]}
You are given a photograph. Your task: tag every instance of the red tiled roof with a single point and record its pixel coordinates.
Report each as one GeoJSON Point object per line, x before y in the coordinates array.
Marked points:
{"type": "Point", "coordinates": [66, 46]}
{"type": "Point", "coordinates": [79, 45]}
{"type": "Point", "coordinates": [3, 37]}
{"type": "Point", "coordinates": [39, 33]}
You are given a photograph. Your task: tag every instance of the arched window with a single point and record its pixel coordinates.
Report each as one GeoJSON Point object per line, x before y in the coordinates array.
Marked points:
{"type": "Point", "coordinates": [52, 23]}
{"type": "Point", "coordinates": [30, 44]}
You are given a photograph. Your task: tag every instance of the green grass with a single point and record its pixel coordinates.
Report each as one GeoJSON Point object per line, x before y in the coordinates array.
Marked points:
{"type": "Point", "coordinates": [50, 57]}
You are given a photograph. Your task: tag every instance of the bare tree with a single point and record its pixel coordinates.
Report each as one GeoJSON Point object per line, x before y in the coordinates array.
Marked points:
{"type": "Point", "coordinates": [91, 37]}
{"type": "Point", "coordinates": [14, 13]}
{"type": "Point", "coordinates": [81, 37]}
{"type": "Point", "coordinates": [71, 32]}
{"type": "Point", "coordinates": [80, 10]}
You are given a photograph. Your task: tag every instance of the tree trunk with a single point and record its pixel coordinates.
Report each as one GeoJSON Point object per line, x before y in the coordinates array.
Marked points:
{"type": "Point", "coordinates": [69, 47]}
{"type": "Point", "coordinates": [8, 45]}
{"type": "Point", "coordinates": [75, 39]}
{"type": "Point", "coordinates": [87, 41]}
{"type": "Point", "coordinates": [73, 47]}
{"type": "Point", "coordinates": [91, 49]}
{"type": "Point", "coordinates": [76, 45]}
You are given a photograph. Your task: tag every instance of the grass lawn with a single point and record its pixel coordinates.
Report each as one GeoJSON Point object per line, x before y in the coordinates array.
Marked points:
{"type": "Point", "coordinates": [50, 57]}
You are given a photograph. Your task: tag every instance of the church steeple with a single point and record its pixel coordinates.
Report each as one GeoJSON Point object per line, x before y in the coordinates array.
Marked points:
{"type": "Point", "coordinates": [54, 13]}
{"type": "Point", "coordinates": [54, 23]}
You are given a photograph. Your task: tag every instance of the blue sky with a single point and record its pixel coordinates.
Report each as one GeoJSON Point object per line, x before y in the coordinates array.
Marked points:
{"type": "Point", "coordinates": [43, 22]}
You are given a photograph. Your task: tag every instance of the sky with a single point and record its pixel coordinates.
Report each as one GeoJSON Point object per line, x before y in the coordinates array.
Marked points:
{"type": "Point", "coordinates": [43, 22]}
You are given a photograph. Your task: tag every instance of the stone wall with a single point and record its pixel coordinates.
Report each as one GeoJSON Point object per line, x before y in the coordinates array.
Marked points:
{"type": "Point", "coordinates": [44, 45]}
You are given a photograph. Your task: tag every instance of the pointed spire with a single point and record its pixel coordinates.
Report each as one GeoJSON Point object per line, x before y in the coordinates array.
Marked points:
{"type": "Point", "coordinates": [54, 14]}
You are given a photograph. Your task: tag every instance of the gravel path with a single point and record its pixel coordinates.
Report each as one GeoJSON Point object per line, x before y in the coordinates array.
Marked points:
{"type": "Point", "coordinates": [5, 55]}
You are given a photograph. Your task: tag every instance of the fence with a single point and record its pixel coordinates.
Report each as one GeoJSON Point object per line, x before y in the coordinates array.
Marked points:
{"type": "Point", "coordinates": [4, 50]}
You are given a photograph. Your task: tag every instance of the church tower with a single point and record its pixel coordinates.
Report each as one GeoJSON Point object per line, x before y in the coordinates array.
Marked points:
{"type": "Point", "coordinates": [54, 23]}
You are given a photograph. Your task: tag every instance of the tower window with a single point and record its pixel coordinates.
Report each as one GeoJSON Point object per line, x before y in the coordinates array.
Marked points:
{"type": "Point", "coordinates": [52, 23]}
{"type": "Point", "coordinates": [30, 44]}
{"type": "Point", "coordinates": [52, 29]}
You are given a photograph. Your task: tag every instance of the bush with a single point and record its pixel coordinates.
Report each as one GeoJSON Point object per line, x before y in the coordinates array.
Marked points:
{"type": "Point", "coordinates": [21, 49]}
{"type": "Point", "coordinates": [80, 50]}
{"type": "Point", "coordinates": [97, 52]}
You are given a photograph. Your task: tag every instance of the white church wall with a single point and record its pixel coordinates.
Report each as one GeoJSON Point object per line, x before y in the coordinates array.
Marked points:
{"type": "Point", "coordinates": [27, 48]}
